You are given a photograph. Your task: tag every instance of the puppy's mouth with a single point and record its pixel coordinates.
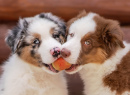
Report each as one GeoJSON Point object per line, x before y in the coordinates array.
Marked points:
{"type": "Point", "coordinates": [51, 68]}
{"type": "Point", "coordinates": [72, 68]}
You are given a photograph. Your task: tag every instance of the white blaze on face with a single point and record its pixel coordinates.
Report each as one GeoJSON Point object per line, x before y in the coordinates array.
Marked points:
{"type": "Point", "coordinates": [79, 28]}
{"type": "Point", "coordinates": [43, 27]}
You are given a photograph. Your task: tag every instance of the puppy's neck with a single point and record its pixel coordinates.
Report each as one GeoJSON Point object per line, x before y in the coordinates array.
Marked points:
{"type": "Point", "coordinates": [93, 73]}
{"type": "Point", "coordinates": [21, 65]}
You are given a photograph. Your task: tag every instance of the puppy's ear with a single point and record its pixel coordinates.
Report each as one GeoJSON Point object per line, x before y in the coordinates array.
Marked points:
{"type": "Point", "coordinates": [112, 34]}
{"type": "Point", "coordinates": [82, 14]}
{"type": "Point", "coordinates": [16, 36]}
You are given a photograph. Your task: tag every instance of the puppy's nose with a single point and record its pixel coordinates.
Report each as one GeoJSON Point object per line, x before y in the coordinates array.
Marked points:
{"type": "Point", "coordinates": [55, 52]}
{"type": "Point", "coordinates": [65, 53]}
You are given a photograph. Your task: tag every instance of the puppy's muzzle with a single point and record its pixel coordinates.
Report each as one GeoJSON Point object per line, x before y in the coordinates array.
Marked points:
{"type": "Point", "coordinates": [65, 53]}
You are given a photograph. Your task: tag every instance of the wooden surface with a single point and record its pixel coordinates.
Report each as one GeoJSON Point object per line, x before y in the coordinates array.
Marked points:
{"type": "Point", "coordinates": [4, 50]}
{"type": "Point", "coordinates": [115, 9]}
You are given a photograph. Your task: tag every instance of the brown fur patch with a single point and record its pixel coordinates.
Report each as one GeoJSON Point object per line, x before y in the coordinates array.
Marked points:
{"type": "Point", "coordinates": [26, 56]}
{"type": "Point", "coordinates": [119, 80]}
{"type": "Point", "coordinates": [62, 39]}
{"type": "Point", "coordinates": [104, 41]}
{"type": "Point", "coordinates": [97, 55]}
{"type": "Point", "coordinates": [36, 35]}
{"type": "Point", "coordinates": [29, 52]}
{"type": "Point", "coordinates": [51, 31]}
{"type": "Point", "coordinates": [109, 34]}
{"type": "Point", "coordinates": [92, 53]}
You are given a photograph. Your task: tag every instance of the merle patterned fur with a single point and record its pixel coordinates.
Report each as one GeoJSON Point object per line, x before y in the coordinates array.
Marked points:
{"type": "Point", "coordinates": [16, 36]}
{"type": "Point", "coordinates": [57, 21]}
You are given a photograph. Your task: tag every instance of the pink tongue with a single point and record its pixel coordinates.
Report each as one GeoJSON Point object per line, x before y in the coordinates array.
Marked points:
{"type": "Point", "coordinates": [72, 69]}
{"type": "Point", "coordinates": [52, 68]}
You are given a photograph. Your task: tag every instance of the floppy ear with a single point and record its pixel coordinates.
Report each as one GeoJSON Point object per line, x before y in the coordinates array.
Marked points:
{"type": "Point", "coordinates": [16, 35]}
{"type": "Point", "coordinates": [112, 34]}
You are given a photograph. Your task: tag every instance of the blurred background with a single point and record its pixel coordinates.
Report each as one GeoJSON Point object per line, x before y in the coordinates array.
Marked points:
{"type": "Point", "coordinates": [12, 10]}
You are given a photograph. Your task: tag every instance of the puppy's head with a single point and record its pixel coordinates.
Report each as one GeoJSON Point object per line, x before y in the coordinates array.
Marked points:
{"type": "Point", "coordinates": [91, 39]}
{"type": "Point", "coordinates": [37, 40]}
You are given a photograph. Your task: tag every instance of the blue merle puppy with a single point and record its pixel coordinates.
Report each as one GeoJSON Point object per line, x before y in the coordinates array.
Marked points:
{"type": "Point", "coordinates": [35, 43]}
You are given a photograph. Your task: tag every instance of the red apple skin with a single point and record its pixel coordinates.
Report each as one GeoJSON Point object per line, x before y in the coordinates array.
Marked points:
{"type": "Point", "coordinates": [61, 64]}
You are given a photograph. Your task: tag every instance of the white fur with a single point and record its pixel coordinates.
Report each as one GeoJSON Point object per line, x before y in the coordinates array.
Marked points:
{"type": "Point", "coordinates": [79, 28]}
{"type": "Point", "coordinates": [93, 74]}
{"type": "Point", "coordinates": [83, 26]}
{"type": "Point", "coordinates": [43, 27]}
{"type": "Point", "coordinates": [21, 78]}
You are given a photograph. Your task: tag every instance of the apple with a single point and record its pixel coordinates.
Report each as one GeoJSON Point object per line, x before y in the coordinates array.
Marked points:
{"type": "Point", "coordinates": [61, 64]}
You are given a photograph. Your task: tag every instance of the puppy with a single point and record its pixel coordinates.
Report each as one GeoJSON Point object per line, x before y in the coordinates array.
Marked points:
{"type": "Point", "coordinates": [96, 49]}
{"type": "Point", "coordinates": [35, 43]}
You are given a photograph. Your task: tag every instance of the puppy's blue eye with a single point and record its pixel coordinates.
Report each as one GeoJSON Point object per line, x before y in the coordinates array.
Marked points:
{"type": "Point", "coordinates": [36, 41]}
{"type": "Point", "coordinates": [87, 42]}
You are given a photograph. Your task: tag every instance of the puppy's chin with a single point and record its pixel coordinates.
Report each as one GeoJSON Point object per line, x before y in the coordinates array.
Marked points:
{"type": "Point", "coordinates": [50, 69]}
{"type": "Point", "coordinates": [74, 69]}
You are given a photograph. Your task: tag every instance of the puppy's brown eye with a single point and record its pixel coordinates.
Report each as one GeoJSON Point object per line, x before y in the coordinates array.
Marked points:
{"type": "Point", "coordinates": [36, 41]}
{"type": "Point", "coordinates": [87, 42]}
{"type": "Point", "coordinates": [72, 34]}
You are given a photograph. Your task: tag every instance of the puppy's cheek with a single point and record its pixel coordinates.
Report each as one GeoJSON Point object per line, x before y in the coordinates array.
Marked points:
{"type": "Point", "coordinates": [30, 56]}
{"type": "Point", "coordinates": [96, 56]}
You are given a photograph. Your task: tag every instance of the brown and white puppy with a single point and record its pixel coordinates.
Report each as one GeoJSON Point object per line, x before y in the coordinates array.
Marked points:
{"type": "Point", "coordinates": [96, 49]}
{"type": "Point", "coordinates": [35, 43]}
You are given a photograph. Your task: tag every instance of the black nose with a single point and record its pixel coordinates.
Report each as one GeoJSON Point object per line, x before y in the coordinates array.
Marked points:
{"type": "Point", "coordinates": [65, 53]}
{"type": "Point", "coordinates": [55, 52]}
